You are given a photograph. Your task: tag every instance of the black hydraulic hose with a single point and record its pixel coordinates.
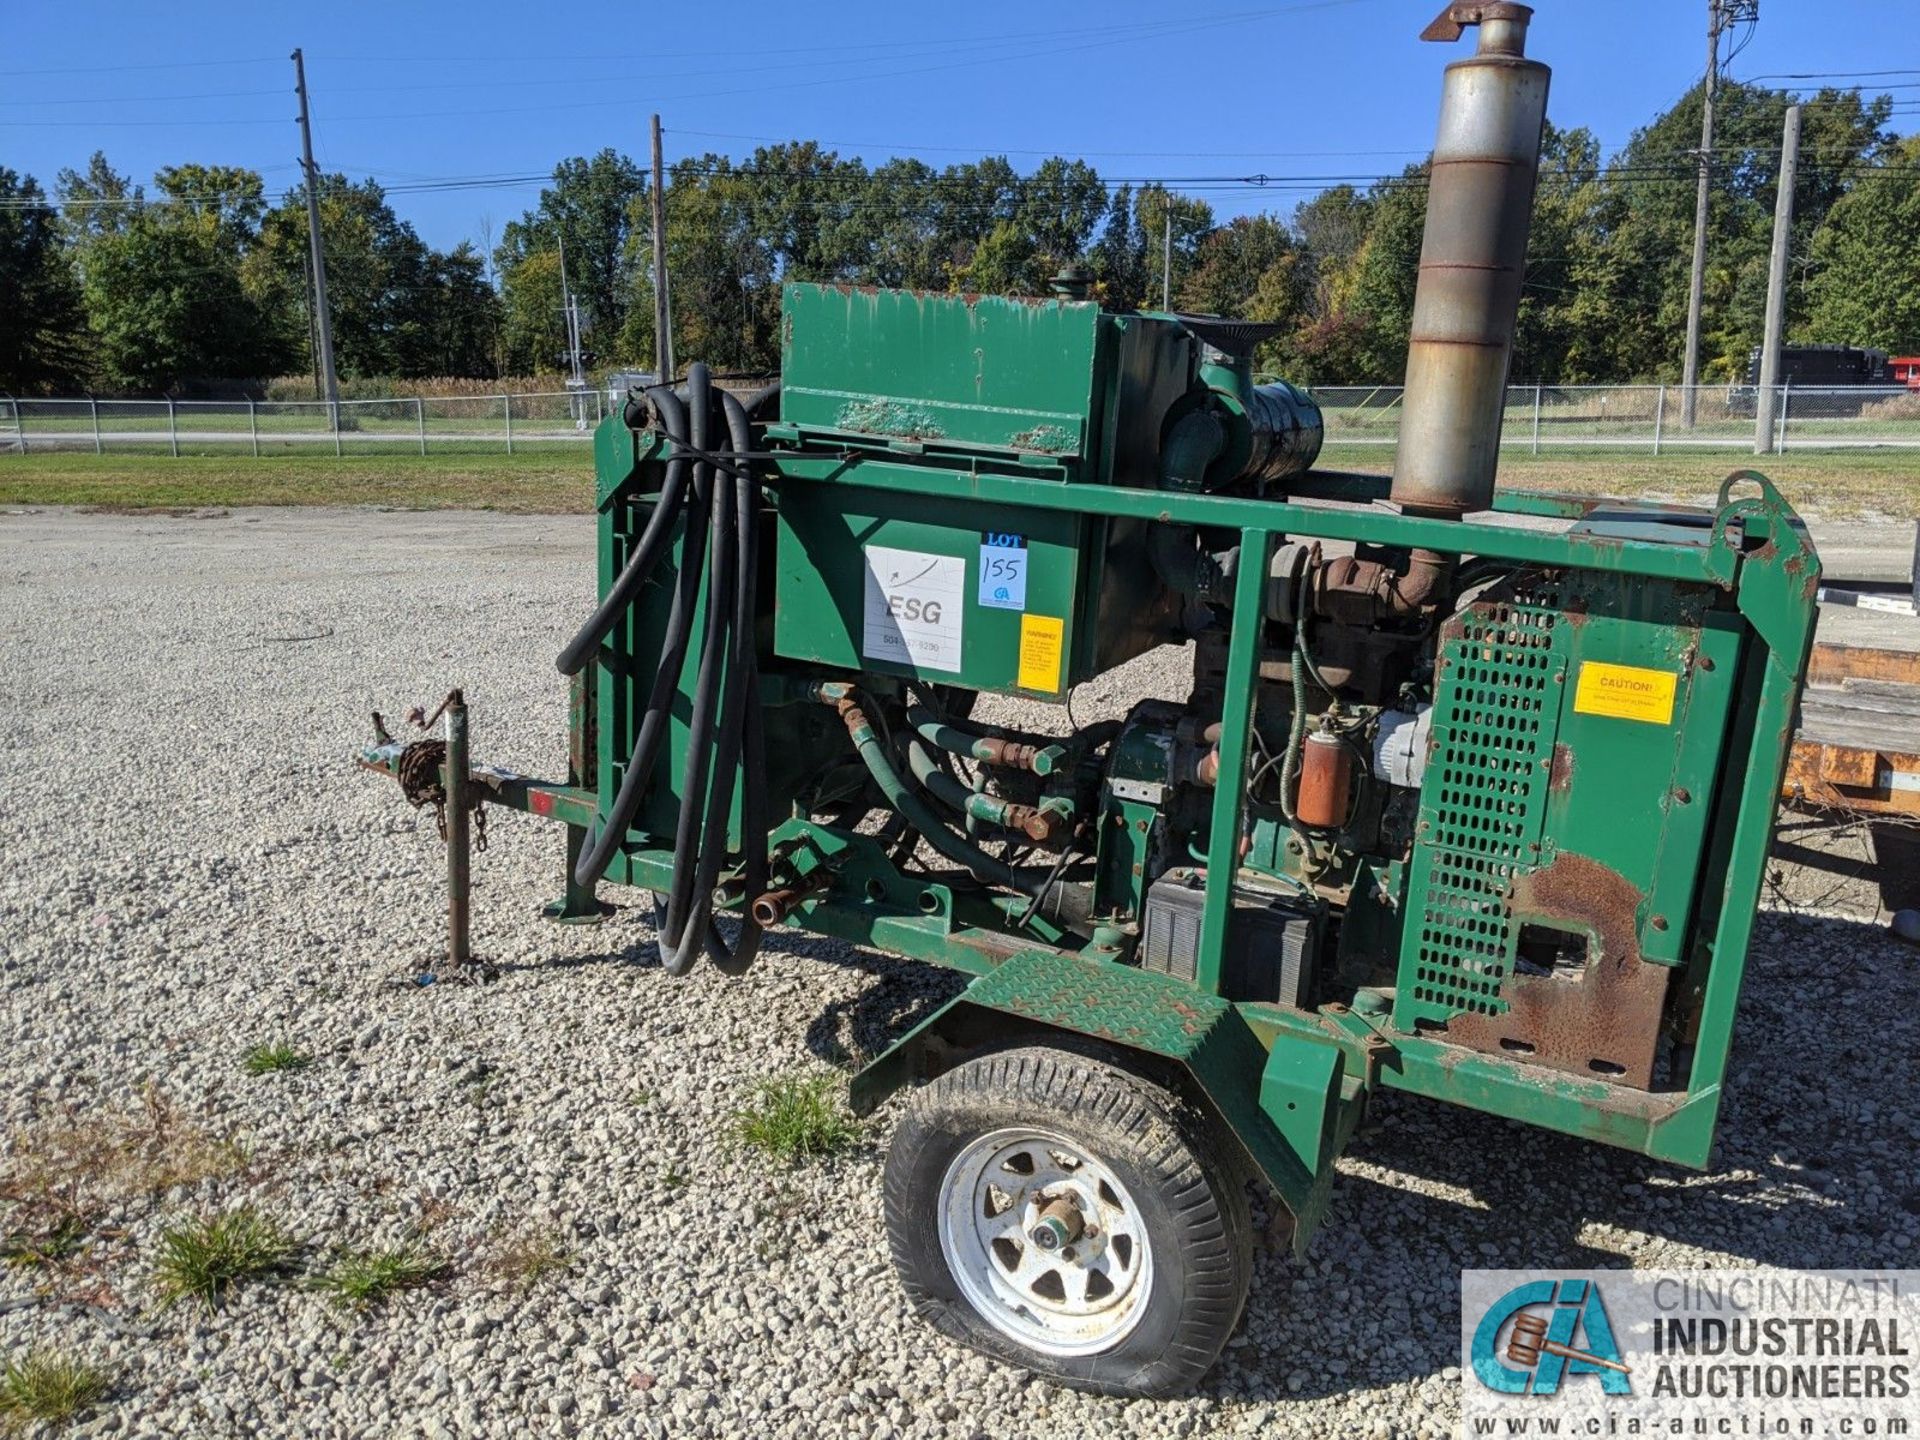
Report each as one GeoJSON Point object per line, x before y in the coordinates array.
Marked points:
{"type": "Point", "coordinates": [726, 739]}
{"type": "Point", "coordinates": [741, 749]}
{"type": "Point", "coordinates": [602, 843]}
{"type": "Point", "coordinates": [647, 550]}
{"type": "Point", "coordinates": [687, 909]}
{"type": "Point", "coordinates": [756, 404]}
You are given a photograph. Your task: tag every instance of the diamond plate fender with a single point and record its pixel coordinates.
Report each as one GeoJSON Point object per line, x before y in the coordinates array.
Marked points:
{"type": "Point", "coordinates": [1290, 1112]}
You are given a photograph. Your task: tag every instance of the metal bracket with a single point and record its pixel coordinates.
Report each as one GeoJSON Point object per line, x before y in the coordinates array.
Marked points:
{"type": "Point", "coordinates": [1451, 23]}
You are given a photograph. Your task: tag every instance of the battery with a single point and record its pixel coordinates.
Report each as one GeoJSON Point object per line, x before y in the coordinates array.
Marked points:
{"type": "Point", "coordinates": [1273, 939]}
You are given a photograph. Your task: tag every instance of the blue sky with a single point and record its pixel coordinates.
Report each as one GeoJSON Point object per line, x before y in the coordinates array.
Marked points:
{"type": "Point", "coordinates": [489, 92]}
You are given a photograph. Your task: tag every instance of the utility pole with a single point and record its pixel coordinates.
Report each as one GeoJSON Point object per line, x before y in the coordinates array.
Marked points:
{"type": "Point", "coordinates": [1721, 16]}
{"type": "Point", "coordinates": [322, 318]}
{"type": "Point", "coordinates": [570, 313]}
{"type": "Point", "coordinates": [1777, 284]}
{"type": "Point", "coordinates": [313, 335]}
{"type": "Point", "coordinates": [662, 314]}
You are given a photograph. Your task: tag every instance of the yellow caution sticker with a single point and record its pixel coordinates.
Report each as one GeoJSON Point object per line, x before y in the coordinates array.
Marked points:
{"type": "Point", "coordinates": [1626, 692]}
{"type": "Point", "coordinates": [1042, 641]}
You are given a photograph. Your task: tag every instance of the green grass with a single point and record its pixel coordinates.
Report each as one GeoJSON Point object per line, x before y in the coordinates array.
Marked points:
{"type": "Point", "coordinates": [530, 484]}
{"type": "Point", "coordinates": [47, 1389]}
{"type": "Point", "coordinates": [267, 1059]}
{"type": "Point", "coordinates": [204, 1259]}
{"type": "Point", "coordinates": [796, 1117]}
{"type": "Point", "coordinates": [1827, 484]}
{"type": "Point", "coordinates": [366, 1277]}
{"type": "Point", "coordinates": [1834, 484]}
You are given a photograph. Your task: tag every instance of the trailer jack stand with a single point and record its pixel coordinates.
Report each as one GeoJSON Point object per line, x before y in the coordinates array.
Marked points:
{"type": "Point", "coordinates": [438, 772]}
{"type": "Point", "coordinates": [461, 807]}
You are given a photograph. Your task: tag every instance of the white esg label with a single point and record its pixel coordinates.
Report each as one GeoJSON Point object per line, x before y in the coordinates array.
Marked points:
{"type": "Point", "coordinates": [915, 608]}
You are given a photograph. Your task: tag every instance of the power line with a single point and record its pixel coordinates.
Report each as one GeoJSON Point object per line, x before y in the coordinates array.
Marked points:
{"type": "Point", "coordinates": [1002, 47]}
{"type": "Point", "coordinates": [1826, 75]}
{"type": "Point", "coordinates": [934, 43]}
{"type": "Point", "coordinates": [895, 146]}
{"type": "Point", "coordinates": [1014, 187]}
{"type": "Point", "coordinates": [131, 124]}
{"type": "Point", "coordinates": [1019, 45]}
{"type": "Point", "coordinates": [1158, 29]}
{"type": "Point", "coordinates": [122, 69]}
{"type": "Point", "coordinates": [149, 99]}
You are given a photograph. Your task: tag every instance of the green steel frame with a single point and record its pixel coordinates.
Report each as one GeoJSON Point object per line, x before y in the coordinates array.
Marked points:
{"type": "Point", "coordinates": [1293, 1095]}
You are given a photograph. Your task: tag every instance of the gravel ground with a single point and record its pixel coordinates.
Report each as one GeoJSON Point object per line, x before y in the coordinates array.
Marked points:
{"type": "Point", "coordinates": [193, 867]}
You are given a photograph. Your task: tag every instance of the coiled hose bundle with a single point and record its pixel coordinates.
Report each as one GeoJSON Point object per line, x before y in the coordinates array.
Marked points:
{"type": "Point", "coordinates": [716, 492]}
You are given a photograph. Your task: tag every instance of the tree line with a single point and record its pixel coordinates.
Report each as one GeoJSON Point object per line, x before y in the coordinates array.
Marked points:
{"type": "Point", "coordinates": [106, 287]}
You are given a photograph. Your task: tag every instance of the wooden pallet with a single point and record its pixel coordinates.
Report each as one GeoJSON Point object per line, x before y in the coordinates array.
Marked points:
{"type": "Point", "coordinates": [1858, 745]}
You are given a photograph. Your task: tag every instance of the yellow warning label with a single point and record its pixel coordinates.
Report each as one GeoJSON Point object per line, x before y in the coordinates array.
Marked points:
{"type": "Point", "coordinates": [1042, 638]}
{"type": "Point", "coordinates": [1626, 692]}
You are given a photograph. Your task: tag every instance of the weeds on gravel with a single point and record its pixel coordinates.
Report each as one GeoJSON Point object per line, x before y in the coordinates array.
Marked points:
{"type": "Point", "coordinates": [523, 1259]}
{"type": "Point", "coordinates": [434, 1212]}
{"type": "Point", "coordinates": [269, 1059]}
{"type": "Point", "coordinates": [365, 1277]}
{"type": "Point", "coordinates": [47, 1389]}
{"type": "Point", "coordinates": [796, 1117]}
{"type": "Point", "coordinates": [48, 1238]}
{"type": "Point", "coordinates": [75, 1164]}
{"type": "Point", "coordinates": [204, 1259]}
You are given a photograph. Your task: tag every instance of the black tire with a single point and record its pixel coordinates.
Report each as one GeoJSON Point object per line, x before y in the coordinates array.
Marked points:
{"type": "Point", "coordinates": [1186, 1198]}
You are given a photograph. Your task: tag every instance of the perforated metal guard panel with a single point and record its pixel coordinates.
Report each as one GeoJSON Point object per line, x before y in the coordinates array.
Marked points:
{"type": "Point", "coordinates": [1496, 713]}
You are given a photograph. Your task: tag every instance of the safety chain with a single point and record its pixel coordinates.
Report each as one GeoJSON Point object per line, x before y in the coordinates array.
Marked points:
{"type": "Point", "coordinates": [419, 770]}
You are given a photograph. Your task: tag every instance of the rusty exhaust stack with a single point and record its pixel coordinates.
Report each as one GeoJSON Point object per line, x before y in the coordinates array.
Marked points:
{"type": "Point", "coordinates": [1472, 260]}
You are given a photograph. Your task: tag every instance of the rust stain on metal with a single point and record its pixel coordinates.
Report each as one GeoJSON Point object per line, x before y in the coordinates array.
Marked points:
{"type": "Point", "coordinates": [1560, 772]}
{"type": "Point", "coordinates": [989, 944]}
{"type": "Point", "coordinates": [1043, 439]}
{"type": "Point", "coordinates": [1602, 1022]}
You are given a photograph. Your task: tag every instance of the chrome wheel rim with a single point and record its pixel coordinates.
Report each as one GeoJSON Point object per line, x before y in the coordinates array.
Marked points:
{"type": "Point", "coordinates": [1045, 1242]}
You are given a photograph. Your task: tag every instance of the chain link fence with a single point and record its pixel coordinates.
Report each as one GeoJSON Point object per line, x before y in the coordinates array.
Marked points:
{"type": "Point", "coordinates": [445, 425]}
{"type": "Point", "coordinates": [1653, 418]}
{"type": "Point", "coordinates": [1539, 419]}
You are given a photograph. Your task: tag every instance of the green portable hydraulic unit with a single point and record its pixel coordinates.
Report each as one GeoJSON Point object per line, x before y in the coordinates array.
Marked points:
{"type": "Point", "coordinates": [1470, 797]}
